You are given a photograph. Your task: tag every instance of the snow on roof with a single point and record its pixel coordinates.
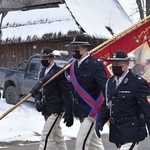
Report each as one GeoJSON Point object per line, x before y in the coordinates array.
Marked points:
{"type": "Point", "coordinates": [93, 16]}
{"type": "Point", "coordinates": [99, 14]}
{"type": "Point", "coordinates": [37, 23]}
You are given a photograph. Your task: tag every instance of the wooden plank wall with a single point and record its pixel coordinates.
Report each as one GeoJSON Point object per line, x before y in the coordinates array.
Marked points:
{"type": "Point", "coordinates": [12, 54]}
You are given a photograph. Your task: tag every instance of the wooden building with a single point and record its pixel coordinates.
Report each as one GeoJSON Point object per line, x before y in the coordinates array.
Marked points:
{"type": "Point", "coordinates": [24, 33]}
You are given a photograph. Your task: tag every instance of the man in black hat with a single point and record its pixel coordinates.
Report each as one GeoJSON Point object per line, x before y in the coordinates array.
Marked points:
{"type": "Point", "coordinates": [52, 101]}
{"type": "Point", "coordinates": [127, 105]}
{"type": "Point", "coordinates": [88, 78]}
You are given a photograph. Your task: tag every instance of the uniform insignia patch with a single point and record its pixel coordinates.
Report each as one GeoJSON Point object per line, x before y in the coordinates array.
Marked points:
{"type": "Point", "coordinates": [99, 59]}
{"type": "Point", "coordinates": [125, 80]}
{"type": "Point", "coordinates": [148, 99]}
{"type": "Point", "coordinates": [114, 56]}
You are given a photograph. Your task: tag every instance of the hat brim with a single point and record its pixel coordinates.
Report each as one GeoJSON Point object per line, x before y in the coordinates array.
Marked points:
{"type": "Point", "coordinates": [119, 59]}
{"type": "Point", "coordinates": [45, 55]}
{"type": "Point", "coordinates": [79, 44]}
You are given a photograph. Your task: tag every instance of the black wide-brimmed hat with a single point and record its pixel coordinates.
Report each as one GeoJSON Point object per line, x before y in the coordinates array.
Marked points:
{"type": "Point", "coordinates": [47, 51]}
{"type": "Point", "coordinates": [80, 40]}
{"type": "Point", "coordinates": [119, 56]}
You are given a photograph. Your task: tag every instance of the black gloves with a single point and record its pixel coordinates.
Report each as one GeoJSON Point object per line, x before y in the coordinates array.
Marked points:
{"type": "Point", "coordinates": [98, 127]}
{"type": "Point", "coordinates": [68, 119]}
{"type": "Point", "coordinates": [39, 105]}
{"type": "Point", "coordinates": [36, 88]}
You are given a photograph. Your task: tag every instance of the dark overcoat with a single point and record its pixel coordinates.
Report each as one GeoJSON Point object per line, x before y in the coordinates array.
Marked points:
{"type": "Point", "coordinates": [127, 104]}
{"type": "Point", "coordinates": [92, 77]}
{"type": "Point", "coordinates": [57, 95]}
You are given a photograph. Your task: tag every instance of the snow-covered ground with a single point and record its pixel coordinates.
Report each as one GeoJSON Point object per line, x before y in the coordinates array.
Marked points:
{"type": "Point", "coordinates": [25, 123]}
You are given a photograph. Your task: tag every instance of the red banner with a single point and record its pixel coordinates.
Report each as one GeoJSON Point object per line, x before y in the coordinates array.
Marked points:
{"type": "Point", "coordinates": [136, 42]}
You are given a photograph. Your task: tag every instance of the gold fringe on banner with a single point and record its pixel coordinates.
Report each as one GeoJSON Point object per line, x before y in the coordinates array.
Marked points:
{"type": "Point", "coordinates": [98, 48]}
{"type": "Point", "coordinates": [120, 35]}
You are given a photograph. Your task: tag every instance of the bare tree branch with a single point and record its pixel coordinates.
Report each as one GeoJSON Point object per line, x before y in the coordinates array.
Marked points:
{"type": "Point", "coordinates": [147, 7]}
{"type": "Point", "coordinates": [141, 11]}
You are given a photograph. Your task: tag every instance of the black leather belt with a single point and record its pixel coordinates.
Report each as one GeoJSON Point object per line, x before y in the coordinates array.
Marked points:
{"type": "Point", "coordinates": [125, 119]}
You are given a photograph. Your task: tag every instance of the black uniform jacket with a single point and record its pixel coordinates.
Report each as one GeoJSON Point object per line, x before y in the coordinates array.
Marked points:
{"type": "Point", "coordinates": [92, 77]}
{"type": "Point", "coordinates": [129, 102]}
{"type": "Point", "coordinates": [57, 95]}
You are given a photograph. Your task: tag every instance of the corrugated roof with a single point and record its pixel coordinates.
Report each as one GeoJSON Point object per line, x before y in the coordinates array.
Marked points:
{"type": "Point", "coordinates": [38, 22]}
{"type": "Point", "coordinates": [94, 17]}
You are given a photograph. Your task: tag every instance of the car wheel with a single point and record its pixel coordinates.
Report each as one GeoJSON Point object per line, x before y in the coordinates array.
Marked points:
{"type": "Point", "coordinates": [11, 95]}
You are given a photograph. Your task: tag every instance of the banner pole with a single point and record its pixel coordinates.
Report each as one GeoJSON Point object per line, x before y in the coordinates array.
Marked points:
{"type": "Point", "coordinates": [94, 50]}
{"type": "Point", "coordinates": [118, 36]}
{"type": "Point", "coordinates": [29, 95]}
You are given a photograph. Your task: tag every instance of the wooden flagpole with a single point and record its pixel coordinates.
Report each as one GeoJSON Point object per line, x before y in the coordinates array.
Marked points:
{"type": "Point", "coordinates": [94, 50]}
{"type": "Point", "coordinates": [29, 95]}
{"type": "Point", "coordinates": [120, 35]}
